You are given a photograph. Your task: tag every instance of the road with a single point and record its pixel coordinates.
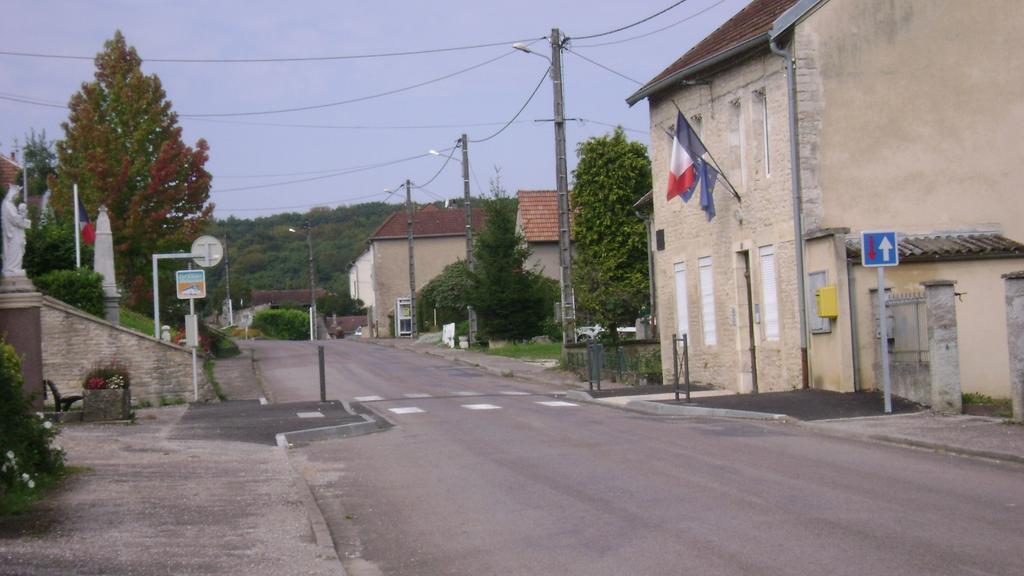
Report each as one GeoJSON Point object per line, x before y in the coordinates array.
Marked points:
{"type": "Point", "coordinates": [489, 475]}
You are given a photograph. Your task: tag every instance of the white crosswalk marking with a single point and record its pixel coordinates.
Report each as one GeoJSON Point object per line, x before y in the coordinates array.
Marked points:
{"type": "Point", "coordinates": [417, 395]}
{"type": "Point", "coordinates": [309, 414]}
{"type": "Point", "coordinates": [481, 406]}
{"type": "Point", "coordinates": [407, 410]}
{"type": "Point", "coordinates": [556, 403]}
{"type": "Point", "coordinates": [368, 398]}
{"type": "Point", "coordinates": [513, 393]}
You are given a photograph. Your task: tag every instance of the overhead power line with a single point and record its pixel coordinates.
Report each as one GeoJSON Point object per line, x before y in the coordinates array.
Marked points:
{"type": "Point", "coordinates": [280, 59]}
{"type": "Point", "coordinates": [298, 206]}
{"type": "Point", "coordinates": [628, 26]}
{"type": "Point", "coordinates": [350, 100]}
{"type": "Point", "coordinates": [521, 108]}
{"type": "Point", "coordinates": [603, 67]}
{"type": "Point", "coordinates": [653, 32]}
{"type": "Point", "coordinates": [335, 174]}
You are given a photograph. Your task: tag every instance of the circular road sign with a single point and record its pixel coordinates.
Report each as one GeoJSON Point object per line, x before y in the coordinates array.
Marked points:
{"type": "Point", "coordinates": [207, 251]}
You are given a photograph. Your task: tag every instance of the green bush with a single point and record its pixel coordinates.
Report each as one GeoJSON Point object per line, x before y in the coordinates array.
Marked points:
{"type": "Point", "coordinates": [81, 288]}
{"type": "Point", "coordinates": [27, 461]}
{"type": "Point", "coordinates": [283, 324]}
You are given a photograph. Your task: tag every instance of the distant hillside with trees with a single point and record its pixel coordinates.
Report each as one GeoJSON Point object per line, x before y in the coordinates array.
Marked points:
{"type": "Point", "coordinates": [265, 255]}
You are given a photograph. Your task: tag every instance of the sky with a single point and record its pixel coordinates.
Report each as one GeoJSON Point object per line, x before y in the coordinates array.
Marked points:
{"type": "Point", "coordinates": [373, 120]}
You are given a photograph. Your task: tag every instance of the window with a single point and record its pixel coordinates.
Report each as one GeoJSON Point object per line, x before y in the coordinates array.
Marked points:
{"type": "Point", "coordinates": [707, 300]}
{"type": "Point", "coordinates": [659, 239]}
{"type": "Point", "coordinates": [682, 313]}
{"type": "Point", "coordinates": [769, 292]}
{"type": "Point", "coordinates": [764, 131]}
{"type": "Point", "coordinates": [817, 324]}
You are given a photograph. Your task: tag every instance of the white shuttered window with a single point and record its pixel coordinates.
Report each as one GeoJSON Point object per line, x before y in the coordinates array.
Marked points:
{"type": "Point", "coordinates": [707, 300]}
{"type": "Point", "coordinates": [769, 293]}
{"type": "Point", "coordinates": [682, 313]}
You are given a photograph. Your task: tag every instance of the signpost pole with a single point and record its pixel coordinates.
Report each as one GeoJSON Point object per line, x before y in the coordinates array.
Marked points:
{"type": "Point", "coordinates": [883, 328]}
{"type": "Point", "coordinates": [195, 372]}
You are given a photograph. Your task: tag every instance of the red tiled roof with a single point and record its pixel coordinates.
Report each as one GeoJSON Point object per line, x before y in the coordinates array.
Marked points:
{"type": "Point", "coordinates": [348, 324]}
{"type": "Point", "coordinates": [752, 21]}
{"type": "Point", "coordinates": [933, 247]}
{"type": "Point", "coordinates": [538, 212]}
{"type": "Point", "coordinates": [429, 221]}
{"type": "Point", "coordinates": [9, 169]}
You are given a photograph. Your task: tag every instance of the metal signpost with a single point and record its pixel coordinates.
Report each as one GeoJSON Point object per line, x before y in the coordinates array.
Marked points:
{"type": "Point", "coordinates": [880, 250]}
{"type": "Point", "coordinates": [191, 284]}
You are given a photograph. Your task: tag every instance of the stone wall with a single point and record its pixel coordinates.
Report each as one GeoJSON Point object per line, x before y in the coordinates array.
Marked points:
{"type": "Point", "coordinates": [729, 113]}
{"type": "Point", "coordinates": [74, 342]}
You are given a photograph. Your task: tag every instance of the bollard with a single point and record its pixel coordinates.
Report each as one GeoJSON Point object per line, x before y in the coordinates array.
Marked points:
{"type": "Point", "coordinates": [675, 366]}
{"type": "Point", "coordinates": [323, 379]}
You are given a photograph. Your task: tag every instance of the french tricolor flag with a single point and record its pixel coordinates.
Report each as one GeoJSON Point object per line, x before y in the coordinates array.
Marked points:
{"type": "Point", "coordinates": [682, 169]}
{"type": "Point", "coordinates": [88, 233]}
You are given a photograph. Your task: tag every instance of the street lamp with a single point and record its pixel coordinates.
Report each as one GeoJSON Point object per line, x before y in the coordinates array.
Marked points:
{"type": "Point", "coordinates": [562, 183]}
{"type": "Point", "coordinates": [312, 282]}
{"type": "Point", "coordinates": [470, 261]}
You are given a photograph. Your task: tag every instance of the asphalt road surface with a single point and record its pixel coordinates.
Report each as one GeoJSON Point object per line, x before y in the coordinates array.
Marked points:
{"type": "Point", "coordinates": [488, 475]}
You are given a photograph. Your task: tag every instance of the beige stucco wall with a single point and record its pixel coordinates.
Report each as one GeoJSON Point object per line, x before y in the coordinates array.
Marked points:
{"type": "Point", "coordinates": [830, 353]}
{"type": "Point", "coordinates": [732, 129]}
{"type": "Point", "coordinates": [919, 105]}
{"type": "Point", "coordinates": [545, 258]}
{"type": "Point", "coordinates": [360, 278]}
{"type": "Point", "coordinates": [980, 314]}
{"type": "Point", "coordinates": [391, 270]}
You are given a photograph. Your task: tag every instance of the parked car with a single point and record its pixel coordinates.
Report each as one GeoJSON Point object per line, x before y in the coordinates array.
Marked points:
{"type": "Point", "coordinates": [588, 333]}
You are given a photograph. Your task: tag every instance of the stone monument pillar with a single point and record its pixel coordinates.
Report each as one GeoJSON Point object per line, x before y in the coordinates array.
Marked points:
{"type": "Point", "coordinates": [103, 264]}
{"type": "Point", "coordinates": [20, 303]}
{"type": "Point", "coordinates": [943, 346]}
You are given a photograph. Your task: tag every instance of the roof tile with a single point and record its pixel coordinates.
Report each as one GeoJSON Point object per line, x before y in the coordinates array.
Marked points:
{"type": "Point", "coordinates": [429, 221]}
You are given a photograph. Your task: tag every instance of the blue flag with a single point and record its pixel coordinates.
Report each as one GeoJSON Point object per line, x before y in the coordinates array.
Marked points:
{"type": "Point", "coordinates": [708, 177]}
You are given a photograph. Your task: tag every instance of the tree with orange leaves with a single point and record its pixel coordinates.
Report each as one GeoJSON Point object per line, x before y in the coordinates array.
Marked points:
{"type": "Point", "coordinates": [122, 145]}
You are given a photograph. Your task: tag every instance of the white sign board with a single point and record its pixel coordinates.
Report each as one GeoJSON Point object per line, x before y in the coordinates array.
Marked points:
{"type": "Point", "coordinates": [207, 251]}
{"type": "Point", "coordinates": [190, 284]}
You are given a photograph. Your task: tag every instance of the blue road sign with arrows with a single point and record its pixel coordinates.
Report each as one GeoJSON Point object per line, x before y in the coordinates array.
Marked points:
{"type": "Point", "coordinates": [879, 249]}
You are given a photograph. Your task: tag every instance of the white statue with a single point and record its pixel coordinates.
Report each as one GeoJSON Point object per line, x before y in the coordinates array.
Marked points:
{"type": "Point", "coordinates": [15, 222]}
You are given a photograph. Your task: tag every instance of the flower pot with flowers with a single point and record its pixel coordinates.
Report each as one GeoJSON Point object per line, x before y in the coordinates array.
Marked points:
{"type": "Point", "coordinates": [106, 394]}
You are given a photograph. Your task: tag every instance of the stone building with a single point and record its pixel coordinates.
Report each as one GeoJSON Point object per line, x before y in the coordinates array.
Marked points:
{"type": "Point", "coordinates": [439, 239]}
{"type": "Point", "coordinates": [907, 116]}
{"type": "Point", "coordinates": [537, 221]}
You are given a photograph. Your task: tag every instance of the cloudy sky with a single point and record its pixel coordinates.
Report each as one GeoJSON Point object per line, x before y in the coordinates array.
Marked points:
{"type": "Point", "coordinates": [372, 120]}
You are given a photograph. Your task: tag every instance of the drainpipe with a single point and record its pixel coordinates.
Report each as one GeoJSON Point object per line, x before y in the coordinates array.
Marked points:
{"type": "Point", "coordinates": [798, 226]}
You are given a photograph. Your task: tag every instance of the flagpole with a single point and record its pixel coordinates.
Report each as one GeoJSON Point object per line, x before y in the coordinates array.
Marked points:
{"type": "Point", "coordinates": [78, 243]}
{"type": "Point", "coordinates": [710, 156]}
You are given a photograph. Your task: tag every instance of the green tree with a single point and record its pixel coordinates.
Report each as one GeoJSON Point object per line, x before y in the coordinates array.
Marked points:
{"type": "Point", "coordinates": [40, 161]}
{"type": "Point", "coordinates": [448, 293]}
{"type": "Point", "coordinates": [123, 148]}
{"type": "Point", "coordinates": [508, 298]}
{"type": "Point", "coordinates": [50, 246]}
{"type": "Point", "coordinates": [610, 269]}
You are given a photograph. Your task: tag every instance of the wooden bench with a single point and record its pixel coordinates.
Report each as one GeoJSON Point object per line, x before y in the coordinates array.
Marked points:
{"type": "Point", "coordinates": [61, 403]}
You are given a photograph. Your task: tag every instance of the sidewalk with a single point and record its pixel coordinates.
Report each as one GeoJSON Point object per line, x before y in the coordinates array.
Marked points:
{"type": "Point", "coordinates": [857, 416]}
{"type": "Point", "coordinates": [164, 496]}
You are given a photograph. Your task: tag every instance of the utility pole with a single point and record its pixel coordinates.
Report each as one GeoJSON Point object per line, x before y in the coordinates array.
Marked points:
{"type": "Point", "coordinates": [469, 228]}
{"type": "Point", "coordinates": [412, 261]}
{"type": "Point", "coordinates": [312, 283]}
{"type": "Point", "coordinates": [562, 183]}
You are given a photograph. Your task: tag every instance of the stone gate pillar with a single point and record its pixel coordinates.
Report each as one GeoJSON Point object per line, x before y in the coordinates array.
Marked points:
{"type": "Point", "coordinates": [1015, 339]}
{"type": "Point", "coordinates": [943, 347]}
{"type": "Point", "coordinates": [21, 325]}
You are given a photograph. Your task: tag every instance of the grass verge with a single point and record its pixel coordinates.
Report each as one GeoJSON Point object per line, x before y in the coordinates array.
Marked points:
{"type": "Point", "coordinates": [208, 370]}
{"type": "Point", "coordinates": [531, 351]}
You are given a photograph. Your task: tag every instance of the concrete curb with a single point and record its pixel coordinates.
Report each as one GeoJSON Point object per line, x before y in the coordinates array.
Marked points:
{"type": "Point", "coordinates": [367, 426]}
{"type": "Point", "coordinates": [317, 522]}
{"type": "Point", "coordinates": [911, 443]}
{"type": "Point", "coordinates": [660, 409]}
{"type": "Point", "coordinates": [496, 371]}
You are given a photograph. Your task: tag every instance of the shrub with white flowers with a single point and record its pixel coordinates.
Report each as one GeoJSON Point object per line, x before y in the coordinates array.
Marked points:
{"type": "Point", "coordinates": [29, 461]}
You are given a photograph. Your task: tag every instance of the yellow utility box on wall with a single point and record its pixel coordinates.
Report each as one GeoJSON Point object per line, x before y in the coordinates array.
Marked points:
{"type": "Point", "coordinates": [827, 301]}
